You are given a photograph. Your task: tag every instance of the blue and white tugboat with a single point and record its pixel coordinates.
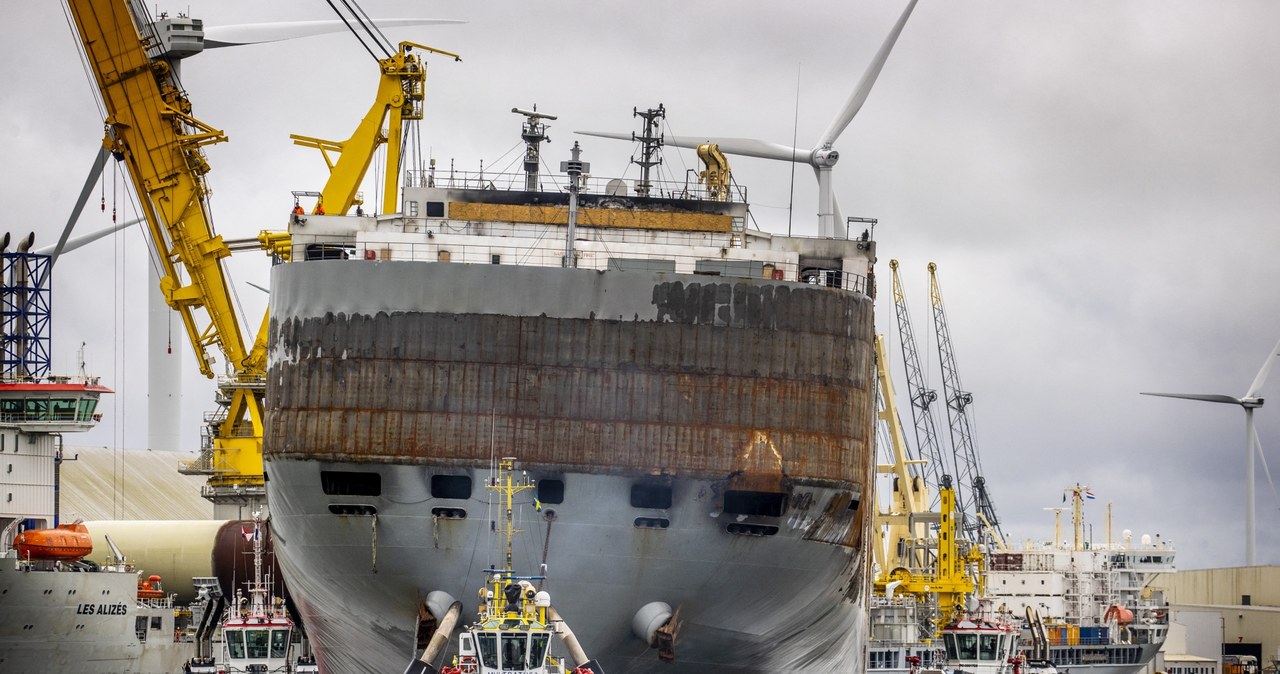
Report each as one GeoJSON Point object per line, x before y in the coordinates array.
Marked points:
{"type": "Point", "coordinates": [515, 624]}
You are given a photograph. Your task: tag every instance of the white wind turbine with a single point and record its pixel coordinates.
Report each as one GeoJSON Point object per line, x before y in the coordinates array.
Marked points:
{"type": "Point", "coordinates": [1249, 401]}
{"type": "Point", "coordinates": [822, 157]}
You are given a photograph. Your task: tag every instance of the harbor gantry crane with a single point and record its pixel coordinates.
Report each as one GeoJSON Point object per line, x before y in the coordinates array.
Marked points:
{"type": "Point", "coordinates": [920, 552]}
{"type": "Point", "coordinates": [938, 463]}
{"type": "Point", "coordinates": [974, 508]}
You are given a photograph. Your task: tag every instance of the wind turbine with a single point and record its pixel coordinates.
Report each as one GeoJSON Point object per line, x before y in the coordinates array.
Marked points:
{"type": "Point", "coordinates": [822, 156]}
{"type": "Point", "coordinates": [1249, 401]}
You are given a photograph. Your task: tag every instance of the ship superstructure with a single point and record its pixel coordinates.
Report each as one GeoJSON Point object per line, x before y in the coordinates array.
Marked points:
{"type": "Point", "coordinates": [1093, 600]}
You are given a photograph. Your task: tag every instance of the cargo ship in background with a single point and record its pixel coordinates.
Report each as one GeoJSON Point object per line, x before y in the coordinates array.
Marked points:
{"type": "Point", "coordinates": [1089, 605]}
{"type": "Point", "coordinates": [1081, 607]}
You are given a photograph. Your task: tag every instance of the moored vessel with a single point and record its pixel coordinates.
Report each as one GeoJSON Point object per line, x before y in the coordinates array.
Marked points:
{"type": "Point", "coordinates": [62, 611]}
{"type": "Point", "coordinates": [693, 397]}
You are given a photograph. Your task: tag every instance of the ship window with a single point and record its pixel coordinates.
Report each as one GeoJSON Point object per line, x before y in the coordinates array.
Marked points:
{"type": "Point", "coordinates": [649, 495]}
{"type": "Point", "coordinates": [413, 209]}
{"type": "Point", "coordinates": [279, 643]}
{"type": "Point", "coordinates": [451, 486]}
{"type": "Point", "coordinates": [488, 649]}
{"type": "Point", "coordinates": [345, 483]}
{"type": "Point", "coordinates": [967, 646]}
{"type": "Point", "coordinates": [235, 644]}
{"type": "Point", "coordinates": [495, 259]}
{"type": "Point", "coordinates": [435, 209]}
{"type": "Point", "coordinates": [155, 622]}
{"type": "Point", "coordinates": [989, 650]}
{"type": "Point", "coordinates": [87, 406]}
{"type": "Point", "coordinates": [255, 643]}
{"type": "Point", "coordinates": [950, 641]}
{"type": "Point", "coordinates": [62, 409]}
{"type": "Point", "coordinates": [514, 649]}
{"type": "Point", "coordinates": [327, 251]}
{"type": "Point", "coordinates": [759, 503]}
{"type": "Point", "coordinates": [140, 627]}
{"type": "Point", "coordinates": [537, 649]}
{"type": "Point", "coordinates": [551, 491]}
{"type": "Point", "coordinates": [37, 409]}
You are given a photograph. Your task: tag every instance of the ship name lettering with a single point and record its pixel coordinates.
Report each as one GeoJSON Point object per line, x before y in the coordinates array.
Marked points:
{"type": "Point", "coordinates": [101, 609]}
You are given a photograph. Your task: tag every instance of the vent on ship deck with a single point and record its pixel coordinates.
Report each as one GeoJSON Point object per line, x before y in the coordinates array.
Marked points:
{"type": "Point", "coordinates": [451, 486]}
{"type": "Point", "coordinates": [650, 495]}
{"type": "Point", "coordinates": [757, 503]}
{"type": "Point", "coordinates": [449, 513]}
{"type": "Point", "coordinates": [346, 483]}
{"type": "Point", "coordinates": [652, 523]}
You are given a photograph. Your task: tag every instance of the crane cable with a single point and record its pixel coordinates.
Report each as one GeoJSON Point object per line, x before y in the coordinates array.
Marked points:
{"type": "Point", "coordinates": [367, 28]}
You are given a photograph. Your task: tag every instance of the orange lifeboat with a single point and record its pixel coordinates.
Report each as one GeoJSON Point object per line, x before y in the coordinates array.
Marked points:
{"type": "Point", "coordinates": [1119, 614]}
{"type": "Point", "coordinates": [150, 588]}
{"type": "Point", "coordinates": [67, 542]}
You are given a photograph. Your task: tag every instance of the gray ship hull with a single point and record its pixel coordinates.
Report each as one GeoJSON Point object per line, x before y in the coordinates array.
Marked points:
{"type": "Point", "coordinates": [66, 621]}
{"type": "Point", "coordinates": [745, 405]}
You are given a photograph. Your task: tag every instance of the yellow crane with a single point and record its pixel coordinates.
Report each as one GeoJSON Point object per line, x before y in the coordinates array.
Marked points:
{"type": "Point", "coordinates": [399, 100]}
{"type": "Point", "coordinates": [150, 127]}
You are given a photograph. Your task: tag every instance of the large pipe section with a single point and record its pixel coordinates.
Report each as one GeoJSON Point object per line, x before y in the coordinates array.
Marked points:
{"type": "Point", "coordinates": [576, 654]}
{"type": "Point", "coordinates": [438, 640]}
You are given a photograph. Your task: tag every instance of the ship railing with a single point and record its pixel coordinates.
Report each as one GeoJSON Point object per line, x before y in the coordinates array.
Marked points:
{"type": "Point", "coordinates": [689, 188]}
{"type": "Point", "coordinates": [165, 602]}
{"type": "Point", "coordinates": [589, 255]}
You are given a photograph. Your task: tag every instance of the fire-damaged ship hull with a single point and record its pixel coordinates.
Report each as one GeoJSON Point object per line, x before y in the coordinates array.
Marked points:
{"type": "Point", "coordinates": [701, 443]}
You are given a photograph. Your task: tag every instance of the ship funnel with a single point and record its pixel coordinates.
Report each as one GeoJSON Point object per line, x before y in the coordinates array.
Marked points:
{"type": "Point", "coordinates": [25, 244]}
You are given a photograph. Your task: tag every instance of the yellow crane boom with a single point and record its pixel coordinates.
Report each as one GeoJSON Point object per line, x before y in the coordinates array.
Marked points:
{"type": "Point", "coordinates": [399, 100]}
{"type": "Point", "coordinates": [150, 128]}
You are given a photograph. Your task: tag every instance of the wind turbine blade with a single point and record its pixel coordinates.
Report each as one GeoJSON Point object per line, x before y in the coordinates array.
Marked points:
{"type": "Point", "coordinates": [258, 33]}
{"type": "Point", "coordinates": [859, 95]}
{"type": "Point", "coordinates": [1266, 370]}
{"type": "Point", "coordinates": [744, 147]}
{"type": "Point", "coordinates": [1206, 397]}
{"type": "Point", "coordinates": [1257, 444]}
{"type": "Point", "coordinates": [72, 244]}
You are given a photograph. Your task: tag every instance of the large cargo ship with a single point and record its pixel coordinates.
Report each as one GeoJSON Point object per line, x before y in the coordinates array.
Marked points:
{"type": "Point", "coordinates": [693, 397]}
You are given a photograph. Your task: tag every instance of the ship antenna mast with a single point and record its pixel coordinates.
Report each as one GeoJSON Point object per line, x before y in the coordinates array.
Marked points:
{"type": "Point", "coordinates": [575, 167]}
{"type": "Point", "coordinates": [534, 133]}
{"type": "Point", "coordinates": [508, 488]}
{"type": "Point", "coordinates": [650, 145]}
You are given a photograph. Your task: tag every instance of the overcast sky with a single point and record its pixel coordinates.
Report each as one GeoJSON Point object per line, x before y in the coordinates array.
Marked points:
{"type": "Point", "coordinates": [1095, 180]}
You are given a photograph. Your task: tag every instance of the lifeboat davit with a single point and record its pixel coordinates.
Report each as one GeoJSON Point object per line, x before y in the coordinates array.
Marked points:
{"type": "Point", "coordinates": [1119, 614]}
{"type": "Point", "coordinates": [67, 542]}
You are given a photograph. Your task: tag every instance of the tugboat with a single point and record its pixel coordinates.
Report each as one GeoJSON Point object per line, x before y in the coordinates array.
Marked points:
{"type": "Point", "coordinates": [515, 621]}
{"type": "Point", "coordinates": [257, 631]}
